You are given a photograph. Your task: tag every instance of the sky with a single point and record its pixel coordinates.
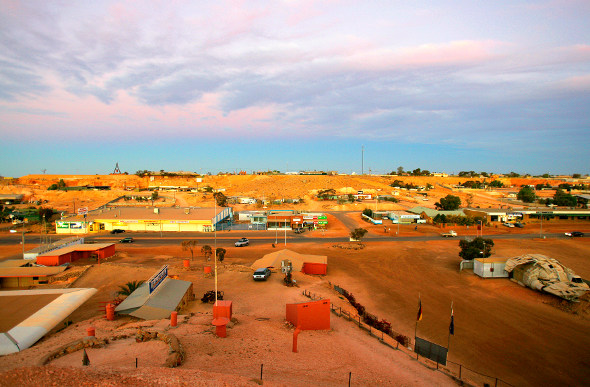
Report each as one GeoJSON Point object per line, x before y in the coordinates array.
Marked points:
{"type": "Point", "coordinates": [210, 86]}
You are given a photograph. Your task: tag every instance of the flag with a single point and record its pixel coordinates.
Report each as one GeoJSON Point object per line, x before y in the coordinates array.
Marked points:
{"type": "Point", "coordinates": [419, 316]}
{"type": "Point", "coordinates": [452, 325]}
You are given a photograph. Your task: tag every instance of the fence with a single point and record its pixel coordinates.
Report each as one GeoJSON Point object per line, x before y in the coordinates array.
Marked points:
{"type": "Point", "coordinates": [240, 226]}
{"type": "Point", "coordinates": [453, 369]}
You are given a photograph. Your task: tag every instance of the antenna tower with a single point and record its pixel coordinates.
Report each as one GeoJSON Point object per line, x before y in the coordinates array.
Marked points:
{"type": "Point", "coordinates": [117, 171]}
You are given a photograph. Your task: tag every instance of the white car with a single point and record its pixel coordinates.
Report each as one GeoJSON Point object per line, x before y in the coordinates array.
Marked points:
{"type": "Point", "coordinates": [242, 242]}
{"type": "Point", "coordinates": [508, 224]}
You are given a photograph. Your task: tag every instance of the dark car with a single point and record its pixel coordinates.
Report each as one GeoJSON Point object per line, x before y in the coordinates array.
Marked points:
{"type": "Point", "coordinates": [574, 234]}
{"type": "Point", "coordinates": [126, 240]}
{"type": "Point", "coordinates": [519, 225]}
{"type": "Point", "coordinates": [261, 274]}
{"type": "Point", "coordinates": [117, 231]}
{"type": "Point", "coordinates": [242, 242]}
{"type": "Point", "coordinates": [299, 230]}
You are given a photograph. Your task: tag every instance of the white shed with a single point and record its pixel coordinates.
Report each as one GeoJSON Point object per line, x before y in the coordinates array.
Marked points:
{"type": "Point", "coordinates": [490, 267]}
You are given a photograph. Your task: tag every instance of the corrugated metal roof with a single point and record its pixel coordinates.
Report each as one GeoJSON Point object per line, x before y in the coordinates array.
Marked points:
{"type": "Point", "coordinates": [33, 271]}
{"type": "Point", "coordinates": [157, 305]}
{"type": "Point", "coordinates": [134, 300]}
{"type": "Point", "coordinates": [15, 263]}
{"type": "Point", "coordinates": [147, 213]}
{"type": "Point", "coordinates": [69, 249]}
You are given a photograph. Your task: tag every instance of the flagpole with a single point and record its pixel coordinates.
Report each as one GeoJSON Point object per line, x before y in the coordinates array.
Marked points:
{"type": "Point", "coordinates": [451, 328]}
{"type": "Point", "coordinates": [418, 317]}
{"type": "Point", "coordinates": [215, 244]}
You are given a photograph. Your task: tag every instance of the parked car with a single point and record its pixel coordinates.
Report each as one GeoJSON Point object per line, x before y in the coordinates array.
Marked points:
{"type": "Point", "coordinates": [508, 224]}
{"type": "Point", "coordinates": [126, 240]}
{"type": "Point", "coordinates": [299, 230]}
{"type": "Point", "coordinates": [242, 242]}
{"type": "Point", "coordinates": [450, 234]}
{"type": "Point", "coordinates": [519, 225]}
{"type": "Point", "coordinates": [574, 234]}
{"type": "Point", "coordinates": [117, 231]}
{"type": "Point", "coordinates": [261, 274]}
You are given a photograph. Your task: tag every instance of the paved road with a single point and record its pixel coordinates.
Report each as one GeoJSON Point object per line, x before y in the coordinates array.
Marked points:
{"type": "Point", "coordinates": [262, 237]}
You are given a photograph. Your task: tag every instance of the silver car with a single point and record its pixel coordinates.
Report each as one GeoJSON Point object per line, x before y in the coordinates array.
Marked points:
{"type": "Point", "coordinates": [261, 274]}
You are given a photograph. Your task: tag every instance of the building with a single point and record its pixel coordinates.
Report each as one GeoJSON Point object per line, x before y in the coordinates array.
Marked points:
{"type": "Point", "coordinates": [403, 217]}
{"type": "Point", "coordinates": [429, 214]}
{"type": "Point", "coordinates": [65, 242]}
{"type": "Point", "coordinates": [20, 273]}
{"type": "Point", "coordinates": [11, 198]}
{"type": "Point", "coordinates": [490, 267]}
{"type": "Point", "coordinates": [145, 219]}
{"type": "Point", "coordinates": [502, 215]}
{"type": "Point", "coordinates": [73, 253]}
{"type": "Point", "coordinates": [158, 297]}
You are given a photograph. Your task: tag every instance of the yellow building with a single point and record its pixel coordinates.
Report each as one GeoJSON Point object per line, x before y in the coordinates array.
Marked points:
{"type": "Point", "coordinates": [144, 219]}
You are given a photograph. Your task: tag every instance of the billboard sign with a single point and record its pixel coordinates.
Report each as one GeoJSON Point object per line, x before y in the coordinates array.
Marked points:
{"type": "Point", "coordinates": [431, 351]}
{"type": "Point", "coordinates": [62, 224]}
{"type": "Point", "coordinates": [158, 278]}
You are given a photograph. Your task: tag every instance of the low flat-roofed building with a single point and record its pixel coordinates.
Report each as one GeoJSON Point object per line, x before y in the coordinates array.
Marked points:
{"type": "Point", "coordinates": [11, 198]}
{"type": "Point", "coordinates": [142, 219]}
{"type": "Point", "coordinates": [65, 242]}
{"type": "Point", "coordinates": [25, 276]}
{"type": "Point", "coordinates": [72, 253]}
{"type": "Point", "coordinates": [490, 267]}
{"type": "Point", "coordinates": [430, 213]}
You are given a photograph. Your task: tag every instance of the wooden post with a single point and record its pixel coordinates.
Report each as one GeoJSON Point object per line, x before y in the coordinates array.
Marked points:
{"type": "Point", "coordinates": [349, 377]}
{"type": "Point", "coordinates": [261, 366]}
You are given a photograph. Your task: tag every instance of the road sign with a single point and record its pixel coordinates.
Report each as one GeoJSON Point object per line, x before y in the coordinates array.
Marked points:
{"type": "Point", "coordinates": [82, 210]}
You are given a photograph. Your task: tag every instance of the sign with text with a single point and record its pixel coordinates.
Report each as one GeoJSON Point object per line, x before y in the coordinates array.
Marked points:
{"type": "Point", "coordinates": [158, 278]}
{"type": "Point", "coordinates": [82, 210]}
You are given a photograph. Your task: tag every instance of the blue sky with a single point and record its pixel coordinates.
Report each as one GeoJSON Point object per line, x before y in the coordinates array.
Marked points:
{"type": "Point", "coordinates": [494, 86]}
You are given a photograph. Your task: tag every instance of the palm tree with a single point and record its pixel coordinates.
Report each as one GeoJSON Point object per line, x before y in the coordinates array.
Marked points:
{"type": "Point", "coordinates": [129, 287]}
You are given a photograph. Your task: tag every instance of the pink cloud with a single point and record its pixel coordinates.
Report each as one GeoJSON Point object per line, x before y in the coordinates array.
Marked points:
{"type": "Point", "coordinates": [452, 53]}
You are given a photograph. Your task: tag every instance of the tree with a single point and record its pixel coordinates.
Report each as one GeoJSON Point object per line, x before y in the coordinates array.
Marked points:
{"type": "Point", "coordinates": [564, 199]}
{"type": "Point", "coordinates": [400, 170]}
{"type": "Point", "coordinates": [358, 234]}
{"type": "Point", "coordinates": [154, 195]}
{"type": "Point", "coordinates": [189, 245]}
{"type": "Point", "coordinates": [496, 184]}
{"type": "Point", "coordinates": [325, 194]}
{"type": "Point", "coordinates": [220, 252]}
{"type": "Point", "coordinates": [129, 287]}
{"type": "Point", "coordinates": [477, 248]}
{"type": "Point", "coordinates": [368, 212]}
{"type": "Point", "coordinates": [526, 194]}
{"type": "Point", "coordinates": [448, 203]}
{"type": "Point", "coordinates": [207, 251]}
{"type": "Point", "coordinates": [45, 213]}
{"type": "Point", "coordinates": [220, 198]}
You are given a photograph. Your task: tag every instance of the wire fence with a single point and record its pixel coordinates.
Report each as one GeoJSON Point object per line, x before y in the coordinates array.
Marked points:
{"type": "Point", "coordinates": [455, 370]}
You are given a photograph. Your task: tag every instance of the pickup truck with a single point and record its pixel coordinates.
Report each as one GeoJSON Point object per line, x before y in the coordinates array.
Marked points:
{"type": "Point", "coordinates": [450, 234]}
